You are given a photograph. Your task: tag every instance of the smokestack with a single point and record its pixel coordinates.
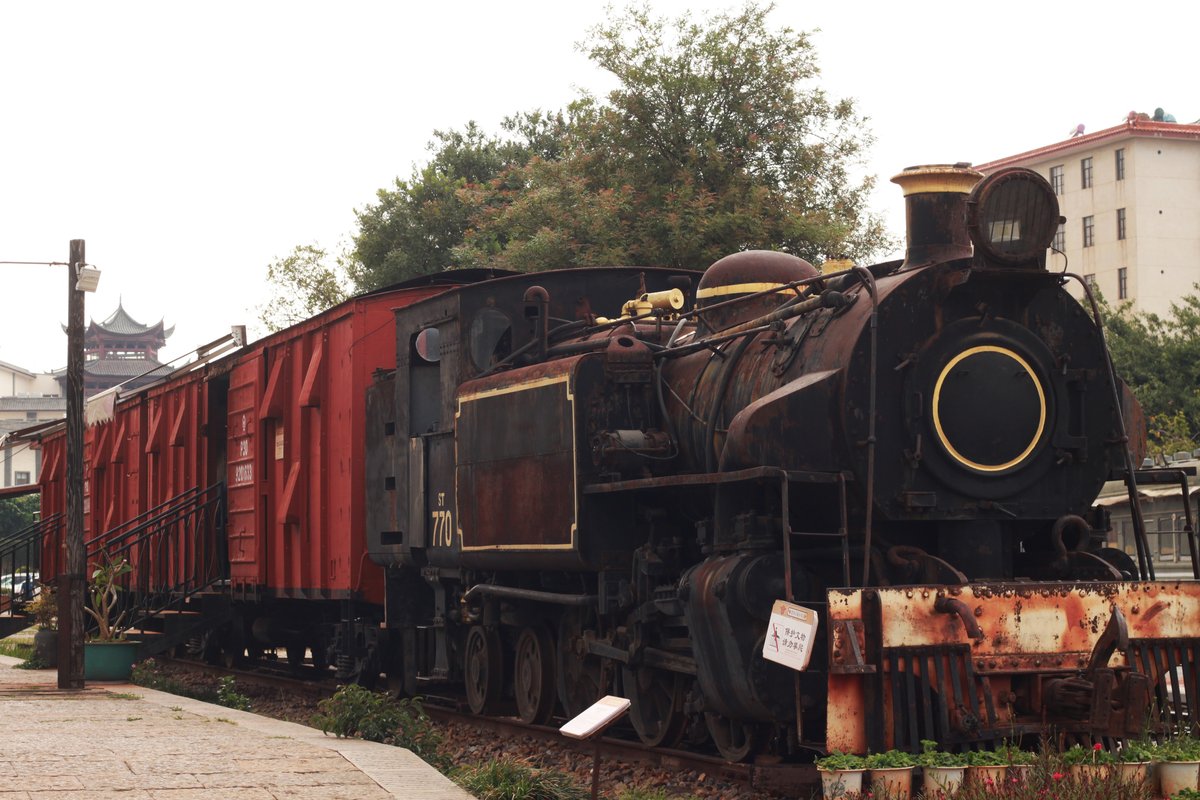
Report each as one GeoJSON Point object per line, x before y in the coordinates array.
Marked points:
{"type": "Point", "coordinates": [935, 200]}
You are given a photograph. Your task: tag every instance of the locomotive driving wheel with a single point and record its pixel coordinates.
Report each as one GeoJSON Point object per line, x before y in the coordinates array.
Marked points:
{"type": "Point", "coordinates": [735, 739]}
{"type": "Point", "coordinates": [533, 678]}
{"type": "Point", "coordinates": [483, 670]}
{"type": "Point", "coordinates": [656, 709]}
{"type": "Point", "coordinates": [580, 677]}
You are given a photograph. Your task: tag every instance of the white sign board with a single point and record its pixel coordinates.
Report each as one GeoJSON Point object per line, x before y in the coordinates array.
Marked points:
{"type": "Point", "coordinates": [595, 717]}
{"type": "Point", "coordinates": [791, 634]}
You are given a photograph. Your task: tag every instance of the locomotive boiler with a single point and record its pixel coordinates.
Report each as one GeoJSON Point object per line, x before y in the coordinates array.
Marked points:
{"type": "Point", "coordinates": [571, 503]}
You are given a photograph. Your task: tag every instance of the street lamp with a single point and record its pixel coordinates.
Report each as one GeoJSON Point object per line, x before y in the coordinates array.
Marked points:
{"type": "Point", "coordinates": [71, 580]}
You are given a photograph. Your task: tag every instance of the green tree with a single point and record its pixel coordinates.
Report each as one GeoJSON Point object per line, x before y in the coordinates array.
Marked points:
{"type": "Point", "coordinates": [1159, 358]}
{"type": "Point", "coordinates": [412, 228]}
{"type": "Point", "coordinates": [17, 513]}
{"type": "Point", "coordinates": [716, 139]}
{"type": "Point", "coordinates": [306, 284]}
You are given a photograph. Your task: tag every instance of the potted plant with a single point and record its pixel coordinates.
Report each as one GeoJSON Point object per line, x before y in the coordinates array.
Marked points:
{"type": "Point", "coordinates": [1179, 766]}
{"type": "Point", "coordinates": [891, 774]}
{"type": "Point", "coordinates": [108, 656]}
{"type": "Point", "coordinates": [44, 608]}
{"type": "Point", "coordinates": [1088, 763]}
{"type": "Point", "coordinates": [1019, 762]}
{"type": "Point", "coordinates": [943, 772]}
{"type": "Point", "coordinates": [987, 767]}
{"type": "Point", "coordinates": [841, 774]}
{"type": "Point", "coordinates": [1134, 759]}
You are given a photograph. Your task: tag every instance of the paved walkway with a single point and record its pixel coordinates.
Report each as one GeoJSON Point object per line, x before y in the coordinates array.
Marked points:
{"type": "Point", "coordinates": [125, 742]}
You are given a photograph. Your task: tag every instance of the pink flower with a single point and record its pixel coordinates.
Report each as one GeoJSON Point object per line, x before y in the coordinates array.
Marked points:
{"type": "Point", "coordinates": [1097, 746]}
{"type": "Point", "coordinates": [1058, 776]}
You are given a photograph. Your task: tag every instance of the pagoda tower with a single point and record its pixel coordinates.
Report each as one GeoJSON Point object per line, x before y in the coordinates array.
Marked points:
{"type": "Point", "coordinates": [121, 350]}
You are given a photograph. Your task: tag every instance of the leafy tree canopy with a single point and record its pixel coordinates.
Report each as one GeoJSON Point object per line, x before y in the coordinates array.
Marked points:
{"type": "Point", "coordinates": [716, 139]}
{"type": "Point", "coordinates": [307, 284]}
{"type": "Point", "coordinates": [17, 513]}
{"type": "Point", "coordinates": [1160, 360]}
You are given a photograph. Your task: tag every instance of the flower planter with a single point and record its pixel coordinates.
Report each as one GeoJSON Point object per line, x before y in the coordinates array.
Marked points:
{"type": "Point", "coordinates": [838, 783]}
{"type": "Point", "coordinates": [108, 661]}
{"type": "Point", "coordinates": [1089, 773]}
{"type": "Point", "coordinates": [1134, 771]}
{"type": "Point", "coordinates": [992, 776]}
{"type": "Point", "coordinates": [1178, 775]}
{"type": "Point", "coordinates": [45, 644]}
{"type": "Point", "coordinates": [894, 783]}
{"type": "Point", "coordinates": [945, 780]}
{"type": "Point", "coordinates": [1019, 772]}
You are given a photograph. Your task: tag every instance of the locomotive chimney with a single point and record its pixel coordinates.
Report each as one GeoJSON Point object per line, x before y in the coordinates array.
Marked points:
{"type": "Point", "coordinates": [935, 198]}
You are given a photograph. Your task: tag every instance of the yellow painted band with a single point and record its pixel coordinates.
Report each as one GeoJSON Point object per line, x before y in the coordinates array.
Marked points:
{"type": "Point", "coordinates": [937, 419]}
{"type": "Point", "coordinates": [737, 288]}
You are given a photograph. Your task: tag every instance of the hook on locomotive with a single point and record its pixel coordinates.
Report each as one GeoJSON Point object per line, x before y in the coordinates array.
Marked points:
{"type": "Point", "coordinates": [551, 486]}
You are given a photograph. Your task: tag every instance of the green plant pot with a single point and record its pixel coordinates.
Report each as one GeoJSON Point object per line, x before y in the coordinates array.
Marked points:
{"type": "Point", "coordinates": [45, 644]}
{"type": "Point", "coordinates": [108, 661]}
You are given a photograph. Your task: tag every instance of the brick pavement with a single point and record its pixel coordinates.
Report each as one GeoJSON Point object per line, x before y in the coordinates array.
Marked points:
{"type": "Point", "coordinates": [125, 742]}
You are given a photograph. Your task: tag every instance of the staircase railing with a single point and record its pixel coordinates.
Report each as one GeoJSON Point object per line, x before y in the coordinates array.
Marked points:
{"type": "Point", "coordinates": [20, 562]}
{"type": "Point", "coordinates": [175, 550]}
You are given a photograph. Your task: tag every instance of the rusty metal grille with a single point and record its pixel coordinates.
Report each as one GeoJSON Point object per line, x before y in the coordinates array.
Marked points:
{"type": "Point", "coordinates": [937, 695]}
{"type": "Point", "coordinates": [1172, 666]}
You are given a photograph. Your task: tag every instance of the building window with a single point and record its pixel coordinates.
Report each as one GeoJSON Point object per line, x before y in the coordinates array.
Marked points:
{"type": "Point", "coordinates": [1090, 280]}
{"type": "Point", "coordinates": [1060, 238]}
{"type": "Point", "coordinates": [1121, 163]}
{"type": "Point", "coordinates": [30, 415]}
{"type": "Point", "coordinates": [1089, 231]}
{"type": "Point", "coordinates": [1056, 179]}
{"type": "Point", "coordinates": [1120, 223]}
{"type": "Point", "coordinates": [21, 478]}
{"type": "Point", "coordinates": [1122, 284]}
{"type": "Point", "coordinates": [1085, 172]}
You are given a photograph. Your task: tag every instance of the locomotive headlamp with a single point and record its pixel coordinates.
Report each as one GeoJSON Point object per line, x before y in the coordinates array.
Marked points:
{"type": "Point", "coordinates": [1012, 216]}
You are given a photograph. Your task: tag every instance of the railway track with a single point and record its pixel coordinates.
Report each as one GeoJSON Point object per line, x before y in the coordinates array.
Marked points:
{"type": "Point", "coordinates": [762, 776]}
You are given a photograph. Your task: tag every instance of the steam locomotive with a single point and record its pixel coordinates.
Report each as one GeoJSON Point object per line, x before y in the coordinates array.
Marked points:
{"type": "Point", "coordinates": [589, 481]}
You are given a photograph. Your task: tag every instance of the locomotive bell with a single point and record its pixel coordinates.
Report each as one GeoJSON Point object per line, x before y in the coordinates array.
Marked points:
{"type": "Point", "coordinates": [743, 274]}
{"type": "Point", "coordinates": [935, 211]}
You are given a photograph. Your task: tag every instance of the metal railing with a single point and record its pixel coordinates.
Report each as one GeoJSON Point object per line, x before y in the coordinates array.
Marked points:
{"type": "Point", "coordinates": [20, 563]}
{"type": "Point", "coordinates": [175, 550]}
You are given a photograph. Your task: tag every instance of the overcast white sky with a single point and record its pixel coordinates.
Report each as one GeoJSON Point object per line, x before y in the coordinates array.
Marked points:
{"type": "Point", "coordinates": [191, 143]}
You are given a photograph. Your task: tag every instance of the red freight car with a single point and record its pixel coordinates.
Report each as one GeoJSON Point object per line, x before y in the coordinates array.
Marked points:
{"type": "Point", "coordinates": [244, 477]}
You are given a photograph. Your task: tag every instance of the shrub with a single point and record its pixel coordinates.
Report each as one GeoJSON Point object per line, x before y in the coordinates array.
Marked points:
{"type": "Point", "coordinates": [838, 760]}
{"type": "Point", "coordinates": [892, 759]}
{"type": "Point", "coordinates": [230, 697]}
{"type": "Point", "coordinates": [1181, 748]}
{"type": "Point", "coordinates": [1135, 751]}
{"type": "Point", "coordinates": [509, 779]}
{"type": "Point", "coordinates": [932, 757]}
{"type": "Point", "coordinates": [356, 711]}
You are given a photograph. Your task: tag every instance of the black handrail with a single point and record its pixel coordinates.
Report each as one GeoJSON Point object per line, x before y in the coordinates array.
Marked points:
{"type": "Point", "coordinates": [20, 553]}
{"type": "Point", "coordinates": [174, 550]}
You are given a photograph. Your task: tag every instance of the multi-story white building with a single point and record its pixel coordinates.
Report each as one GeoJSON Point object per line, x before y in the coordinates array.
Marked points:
{"type": "Point", "coordinates": [1131, 198]}
{"type": "Point", "coordinates": [26, 398]}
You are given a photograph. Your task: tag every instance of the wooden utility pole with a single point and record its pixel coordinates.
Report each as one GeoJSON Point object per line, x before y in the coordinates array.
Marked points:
{"type": "Point", "coordinates": [71, 582]}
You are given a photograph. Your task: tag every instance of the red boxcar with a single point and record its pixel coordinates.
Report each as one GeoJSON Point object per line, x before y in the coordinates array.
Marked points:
{"type": "Point", "coordinates": [281, 421]}
{"type": "Point", "coordinates": [296, 431]}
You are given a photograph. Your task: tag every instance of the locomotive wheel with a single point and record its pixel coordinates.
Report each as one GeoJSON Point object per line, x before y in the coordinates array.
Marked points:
{"type": "Point", "coordinates": [533, 678]}
{"type": "Point", "coordinates": [579, 675]}
{"type": "Point", "coordinates": [736, 740]}
{"type": "Point", "coordinates": [657, 705]}
{"type": "Point", "coordinates": [483, 670]}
